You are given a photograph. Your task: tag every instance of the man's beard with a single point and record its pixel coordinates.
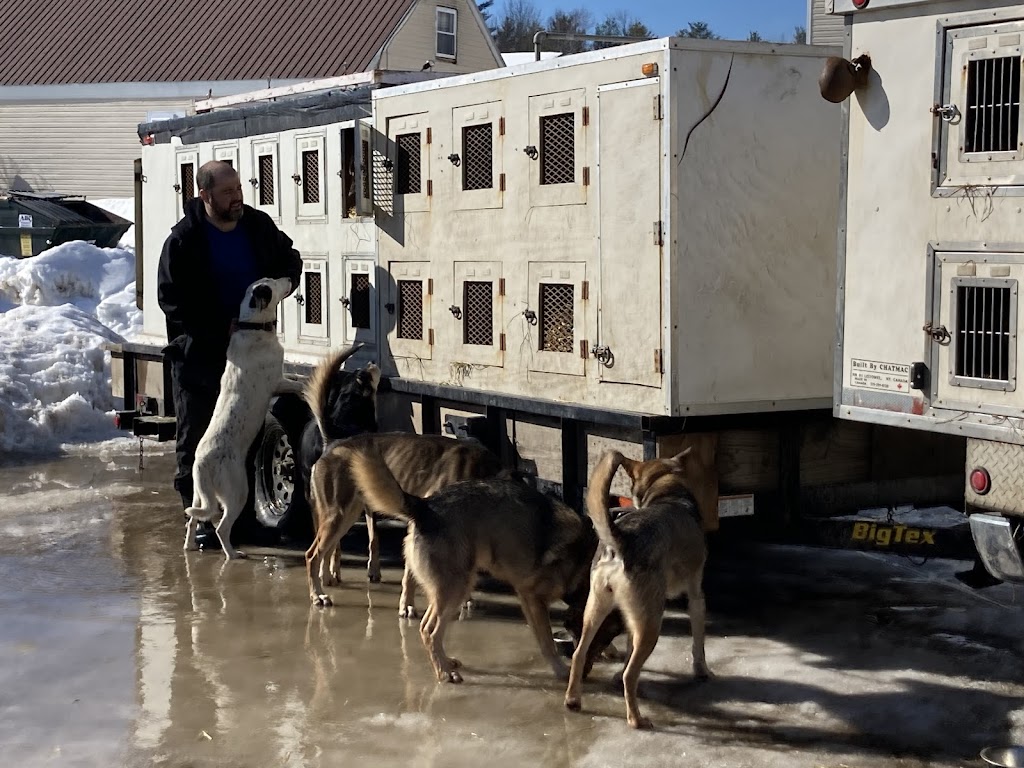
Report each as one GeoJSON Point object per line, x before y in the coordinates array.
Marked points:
{"type": "Point", "coordinates": [226, 213]}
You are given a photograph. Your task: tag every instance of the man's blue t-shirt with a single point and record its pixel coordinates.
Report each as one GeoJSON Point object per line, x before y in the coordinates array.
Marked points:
{"type": "Point", "coordinates": [233, 265]}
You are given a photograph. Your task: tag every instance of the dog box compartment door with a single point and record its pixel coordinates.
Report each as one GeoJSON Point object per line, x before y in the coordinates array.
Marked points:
{"type": "Point", "coordinates": [556, 304]}
{"type": "Point", "coordinates": [476, 313]}
{"type": "Point", "coordinates": [629, 339]}
{"type": "Point", "coordinates": [312, 298]}
{"type": "Point", "coordinates": [364, 168]}
{"type": "Point", "coordinates": [976, 301]}
{"type": "Point", "coordinates": [407, 164]}
{"type": "Point", "coordinates": [227, 153]}
{"type": "Point", "coordinates": [408, 309]}
{"type": "Point", "coordinates": [265, 182]}
{"type": "Point", "coordinates": [558, 148]}
{"type": "Point", "coordinates": [310, 193]}
{"type": "Point", "coordinates": [360, 301]}
{"type": "Point", "coordinates": [186, 182]}
{"type": "Point", "coordinates": [981, 130]}
{"type": "Point", "coordinates": [478, 179]}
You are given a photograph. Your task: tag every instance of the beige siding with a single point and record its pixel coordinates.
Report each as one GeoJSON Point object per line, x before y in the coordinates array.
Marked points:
{"type": "Point", "coordinates": [83, 148]}
{"type": "Point", "coordinates": [415, 42]}
{"type": "Point", "coordinates": [825, 29]}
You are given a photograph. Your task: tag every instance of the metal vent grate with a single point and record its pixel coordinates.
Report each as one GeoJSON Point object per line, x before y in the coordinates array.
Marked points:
{"type": "Point", "coordinates": [478, 160]}
{"type": "Point", "coordinates": [556, 317]}
{"type": "Point", "coordinates": [410, 309]}
{"type": "Point", "coordinates": [314, 300]}
{"type": "Point", "coordinates": [993, 105]}
{"type": "Point", "coordinates": [367, 159]}
{"type": "Point", "coordinates": [478, 318]}
{"type": "Point", "coordinates": [407, 181]}
{"type": "Point", "coordinates": [557, 149]}
{"type": "Point", "coordinates": [266, 179]}
{"type": "Point", "coordinates": [188, 182]}
{"type": "Point", "coordinates": [985, 327]}
{"type": "Point", "coordinates": [359, 300]}
{"type": "Point", "coordinates": [311, 176]}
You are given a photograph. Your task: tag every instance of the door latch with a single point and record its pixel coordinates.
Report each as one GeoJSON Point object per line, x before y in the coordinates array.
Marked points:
{"type": "Point", "coordinates": [948, 112]}
{"type": "Point", "coordinates": [603, 355]}
{"type": "Point", "coordinates": [939, 335]}
{"type": "Point", "coordinates": [298, 299]}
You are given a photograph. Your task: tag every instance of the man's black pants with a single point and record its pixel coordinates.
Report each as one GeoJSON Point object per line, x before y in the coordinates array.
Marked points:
{"type": "Point", "coordinates": [195, 385]}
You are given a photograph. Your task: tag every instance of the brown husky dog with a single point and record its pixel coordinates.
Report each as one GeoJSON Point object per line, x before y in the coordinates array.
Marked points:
{"type": "Point", "coordinates": [422, 465]}
{"type": "Point", "coordinates": [646, 556]}
{"type": "Point", "coordinates": [518, 535]}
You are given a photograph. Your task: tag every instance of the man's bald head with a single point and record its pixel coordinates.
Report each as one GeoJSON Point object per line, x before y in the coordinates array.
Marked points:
{"type": "Point", "coordinates": [221, 191]}
{"type": "Point", "coordinates": [212, 172]}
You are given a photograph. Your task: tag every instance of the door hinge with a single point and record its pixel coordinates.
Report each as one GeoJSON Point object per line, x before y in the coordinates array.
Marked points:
{"type": "Point", "coordinates": [586, 116]}
{"type": "Point", "coordinates": [430, 187]}
{"type": "Point", "coordinates": [501, 342]}
{"type": "Point", "coordinates": [501, 286]}
{"type": "Point", "coordinates": [430, 286]}
{"type": "Point", "coordinates": [659, 233]}
{"type": "Point", "coordinates": [586, 175]}
{"type": "Point", "coordinates": [501, 126]}
{"type": "Point", "coordinates": [658, 362]}
{"type": "Point", "coordinates": [658, 111]}
{"type": "Point", "coordinates": [430, 336]}
{"type": "Point", "coordinates": [430, 135]}
{"type": "Point", "coordinates": [584, 352]}
{"type": "Point", "coordinates": [501, 182]}
{"type": "Point", "coordinates": [585, 290]}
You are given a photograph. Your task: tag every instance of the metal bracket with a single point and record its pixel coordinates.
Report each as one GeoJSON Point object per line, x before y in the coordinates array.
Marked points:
{"type": "Point", "coordinates": [939, 335]}
{"type": "Point", "coordinates": [530, 316]}
{"type": "Point", "coordinates": [659, 233]}
{"type": "Point", "coordinates": [948, 112]}
{"type": "Point", "coordinates": [456, 312]}
{"type": "Point", "coordinates": [531, 152]}
{"type": "Point", "coordinates": [298, 299]}
{"type": "Point", "coordinates": [603, 355]}
{"type": "Point", "coordinates": [455, 159]}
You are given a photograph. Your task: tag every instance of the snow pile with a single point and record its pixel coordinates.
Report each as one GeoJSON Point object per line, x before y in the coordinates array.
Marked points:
{"type": "Point", "coordinates": [56, 311]}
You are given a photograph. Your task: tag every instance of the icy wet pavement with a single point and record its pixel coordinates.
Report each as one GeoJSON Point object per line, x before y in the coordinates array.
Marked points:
{"type": "Point", "coordinates": [118, 649]}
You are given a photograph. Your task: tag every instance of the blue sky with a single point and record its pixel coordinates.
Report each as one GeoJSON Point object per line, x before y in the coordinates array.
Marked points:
{"type": "Point", "coordinates": [774, 19]}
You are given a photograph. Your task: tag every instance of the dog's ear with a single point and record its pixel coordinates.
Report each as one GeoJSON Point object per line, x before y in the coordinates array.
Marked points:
{"type": "Point", "coordinates": [262, 295]}
{"type": "Point", "coordinates": [629, 465]}
{"type": "Point", "coordinates": [680, 459]}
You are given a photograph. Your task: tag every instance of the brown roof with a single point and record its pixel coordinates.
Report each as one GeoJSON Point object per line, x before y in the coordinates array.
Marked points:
{"type": "Point", "coordinates": [51, 42]}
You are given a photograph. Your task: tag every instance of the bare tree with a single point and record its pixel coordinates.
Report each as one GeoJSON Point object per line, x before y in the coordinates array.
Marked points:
{"type": "Point", "coordinates": [699, 30]}
{"type": "Point", "coordinates": [621, 23]}
{"type": "Point", "coordinates": [516, 25]}
{"type": "Point", "coordinates": [576, 21]}
{"type": "Point", "coordinates": [800, 36]}
{"type": "Point", "coordinates": [485, 11]}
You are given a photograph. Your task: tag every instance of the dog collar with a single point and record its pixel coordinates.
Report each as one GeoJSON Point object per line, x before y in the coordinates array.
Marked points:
{"type": "Point", "coordinates": [271, 326]}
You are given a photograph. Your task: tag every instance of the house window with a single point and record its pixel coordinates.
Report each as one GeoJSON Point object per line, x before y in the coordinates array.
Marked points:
{"type": "Point", "coordinates": [447, 21]}
{"type": "Point", "coordinates": [410, 162]}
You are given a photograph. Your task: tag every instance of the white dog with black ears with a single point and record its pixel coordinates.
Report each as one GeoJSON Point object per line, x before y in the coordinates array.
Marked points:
{"type": "Point", "coordinates": [254, 373]}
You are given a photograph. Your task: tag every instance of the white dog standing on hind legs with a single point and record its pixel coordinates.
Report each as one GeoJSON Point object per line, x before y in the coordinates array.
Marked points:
{"type": "Point", "coordinates": [254, 373]}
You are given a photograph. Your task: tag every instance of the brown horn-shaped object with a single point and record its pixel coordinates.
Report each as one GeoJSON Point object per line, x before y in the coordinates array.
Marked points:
{"type": "Point", "coordinates": [840, 77]}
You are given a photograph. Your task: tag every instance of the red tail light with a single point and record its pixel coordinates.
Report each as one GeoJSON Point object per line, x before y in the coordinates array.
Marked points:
{"type": "Point", "coordinates": [860, 4]}
{"type": "Point", "coordinates": [980, 481]}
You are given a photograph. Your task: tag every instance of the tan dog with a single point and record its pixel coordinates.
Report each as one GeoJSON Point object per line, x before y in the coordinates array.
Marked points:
{"type": "Point", "coordinates": [646, 556]}
{"type": "Point", "coordinates": [421, 464]}
{"type": "Point", "coordinates": [538, 545]}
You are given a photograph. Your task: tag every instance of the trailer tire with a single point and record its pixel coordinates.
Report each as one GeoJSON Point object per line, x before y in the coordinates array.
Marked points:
{"type": "Point", "coordinates": [279, 496]}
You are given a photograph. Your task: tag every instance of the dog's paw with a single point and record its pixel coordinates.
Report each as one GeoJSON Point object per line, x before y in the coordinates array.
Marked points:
{"type": "Point", "coordinates": [451, 676]}
{"type": "Point", "coordinates": [235, 555]}
{"type": "Point", "coordinates": [573, 703]}
{"type": "Point", "coordinates": [701, 672]}
{"type": "Point", "coordinates": [640, 723]}
{"type": "Point", "coordinates": [373, 577]}
{"type": "Point", "coordinates": [407, 612]}
{"type": "Point", "coordinates": [322, 601]}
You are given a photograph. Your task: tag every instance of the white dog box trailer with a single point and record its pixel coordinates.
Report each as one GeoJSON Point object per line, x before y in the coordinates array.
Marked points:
{"type": "Point", "coordinates": [931, 243]}
{"type": "Point", "coordinates": [633, 247]}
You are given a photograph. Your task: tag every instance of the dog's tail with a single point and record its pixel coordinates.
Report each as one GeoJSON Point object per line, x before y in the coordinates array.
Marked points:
{"type": "Point", "coordinates": [380, 490]}
{"type": "Point", "coordinates": [597, 498]}
{"type": "Point", "coordinates": [317, 391]}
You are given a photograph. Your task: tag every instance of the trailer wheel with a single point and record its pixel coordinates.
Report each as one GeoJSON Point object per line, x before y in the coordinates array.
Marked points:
{"type": "Point", "coordinates": [276, 471]}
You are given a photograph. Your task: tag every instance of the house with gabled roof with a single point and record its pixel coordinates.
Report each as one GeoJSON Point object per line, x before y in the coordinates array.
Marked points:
{"type": "Point", "coordinates": [74, 89]}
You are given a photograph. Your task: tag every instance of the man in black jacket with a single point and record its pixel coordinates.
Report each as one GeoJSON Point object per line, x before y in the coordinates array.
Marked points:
{"type": "Point", "coordinates": [218, 249]}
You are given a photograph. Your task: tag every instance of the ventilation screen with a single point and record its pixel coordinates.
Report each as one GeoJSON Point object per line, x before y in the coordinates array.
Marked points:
{"type": "Point", "coordinates": [366, 169]}
{"type": "Point", "coordinates": [311, 176]}
{"type": "Point", "coordinates": [410, 309]}
{"type": "Point", "coordinates": [478, 314]}
{"type": "Point", "coordinates": [557, 149]}
{"type": "Point", "coordinates": [188, 182]}
{"type": "Point", "coordinates": [359, 300]}
{"type": "Point", "coordinates": [556, 316]}
{"type": "Point", "coordinates": [983, 332]}
{"type": "Point", "coordinates": [266, 179]}
{"type": "Point", "coordinates": [407, 181]}
{"type": "Point", "coordinates": [993, 105]}
{"type": "Point", "coordinates": [477, 163]}
{"type": "Point", "coordinates": [313, 305]}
